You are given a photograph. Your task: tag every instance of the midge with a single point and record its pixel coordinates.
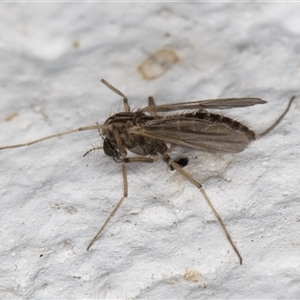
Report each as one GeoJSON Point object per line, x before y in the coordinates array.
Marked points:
{"type": "Point", "coordinates": [149, 135]}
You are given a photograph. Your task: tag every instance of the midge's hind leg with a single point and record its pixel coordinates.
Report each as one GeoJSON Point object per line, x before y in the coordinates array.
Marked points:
{"type": "Point", "coordinates": [279, 119]}
{"type": "Point", "coordinates": [178, 168]}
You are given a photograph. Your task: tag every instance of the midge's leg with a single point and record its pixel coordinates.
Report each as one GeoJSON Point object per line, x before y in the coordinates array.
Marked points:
{"type": "Point", "coordinates": [279, 119]}
{"type": "Point", "coordinates": [125, 191]}
{"type": "Point", "coordinates": [125, 194]}
{"type": "Point", "coordinates": [52, 136]}
{"type": "Point", "coordinates": [151, 102]}
{"type": "Point", "coordinates": [178, 168]}
{"type": "Point", "coordinates": [125, 100]}
{"type": "Point", "coordinates": [182, 162]}
{"type": "Point", "coordinates": [124, 160]}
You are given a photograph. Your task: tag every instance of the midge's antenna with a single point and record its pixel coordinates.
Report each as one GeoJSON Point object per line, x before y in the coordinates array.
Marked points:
{"type": "Point", "coordinates": [149, 135]}
{"type": "Point", "coordinates": [52, 136]}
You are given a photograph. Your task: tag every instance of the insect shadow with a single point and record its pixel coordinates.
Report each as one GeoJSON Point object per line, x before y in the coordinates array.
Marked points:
{"type": "Point", "coordinates": [150, 135]}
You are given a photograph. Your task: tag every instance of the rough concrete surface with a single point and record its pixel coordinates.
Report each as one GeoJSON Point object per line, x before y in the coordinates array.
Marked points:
{"type": "Point", "coordinates": [164, 242]}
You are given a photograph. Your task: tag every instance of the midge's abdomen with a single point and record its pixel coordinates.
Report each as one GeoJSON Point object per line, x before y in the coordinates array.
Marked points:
{"type": "Point", "coordinates": [215, 118]}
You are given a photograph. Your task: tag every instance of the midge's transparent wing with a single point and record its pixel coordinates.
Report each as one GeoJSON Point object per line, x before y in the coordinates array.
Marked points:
{"type": "Point", "coordinates": [205, 104]}
{"type": "Point", "coordinates": [198, 134]}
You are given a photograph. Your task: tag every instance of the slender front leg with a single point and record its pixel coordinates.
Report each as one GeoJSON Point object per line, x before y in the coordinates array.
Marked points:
{"type": "Point", "coordinates": [125, 194]}
{"type": "Point", "coordinates": [125, 190]}
{"type": "Point", "coordinates": [177, 167]}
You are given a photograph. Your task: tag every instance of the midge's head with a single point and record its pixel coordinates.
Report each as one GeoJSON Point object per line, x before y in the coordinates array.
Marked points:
{"type": "Point", "coordinates": [110, 137]}
{"type": "Point", "coordinates": [111, 149]}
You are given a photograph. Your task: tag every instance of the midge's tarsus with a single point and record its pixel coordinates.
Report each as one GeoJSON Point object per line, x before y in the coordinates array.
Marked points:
{"type": "Point", "coordinates": [149, 135]}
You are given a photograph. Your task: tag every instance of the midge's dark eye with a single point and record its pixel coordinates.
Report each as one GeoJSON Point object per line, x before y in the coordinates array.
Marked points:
{"type": "Point", "coordinates": [108, 148]}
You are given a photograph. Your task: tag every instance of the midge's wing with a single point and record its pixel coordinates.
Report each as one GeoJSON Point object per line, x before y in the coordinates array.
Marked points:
{"type": "Point", "coordinates": [195, 133]}
{"type": "Point", "coordinates": [204, 104]}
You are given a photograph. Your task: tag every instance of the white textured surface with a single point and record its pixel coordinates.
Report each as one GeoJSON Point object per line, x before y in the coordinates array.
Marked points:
{"type": "Point", "coordinates": [53, 201]}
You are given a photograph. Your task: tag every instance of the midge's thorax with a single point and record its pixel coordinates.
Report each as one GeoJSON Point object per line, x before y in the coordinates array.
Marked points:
{"type": "Point", "coordinates": [121, 125]}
